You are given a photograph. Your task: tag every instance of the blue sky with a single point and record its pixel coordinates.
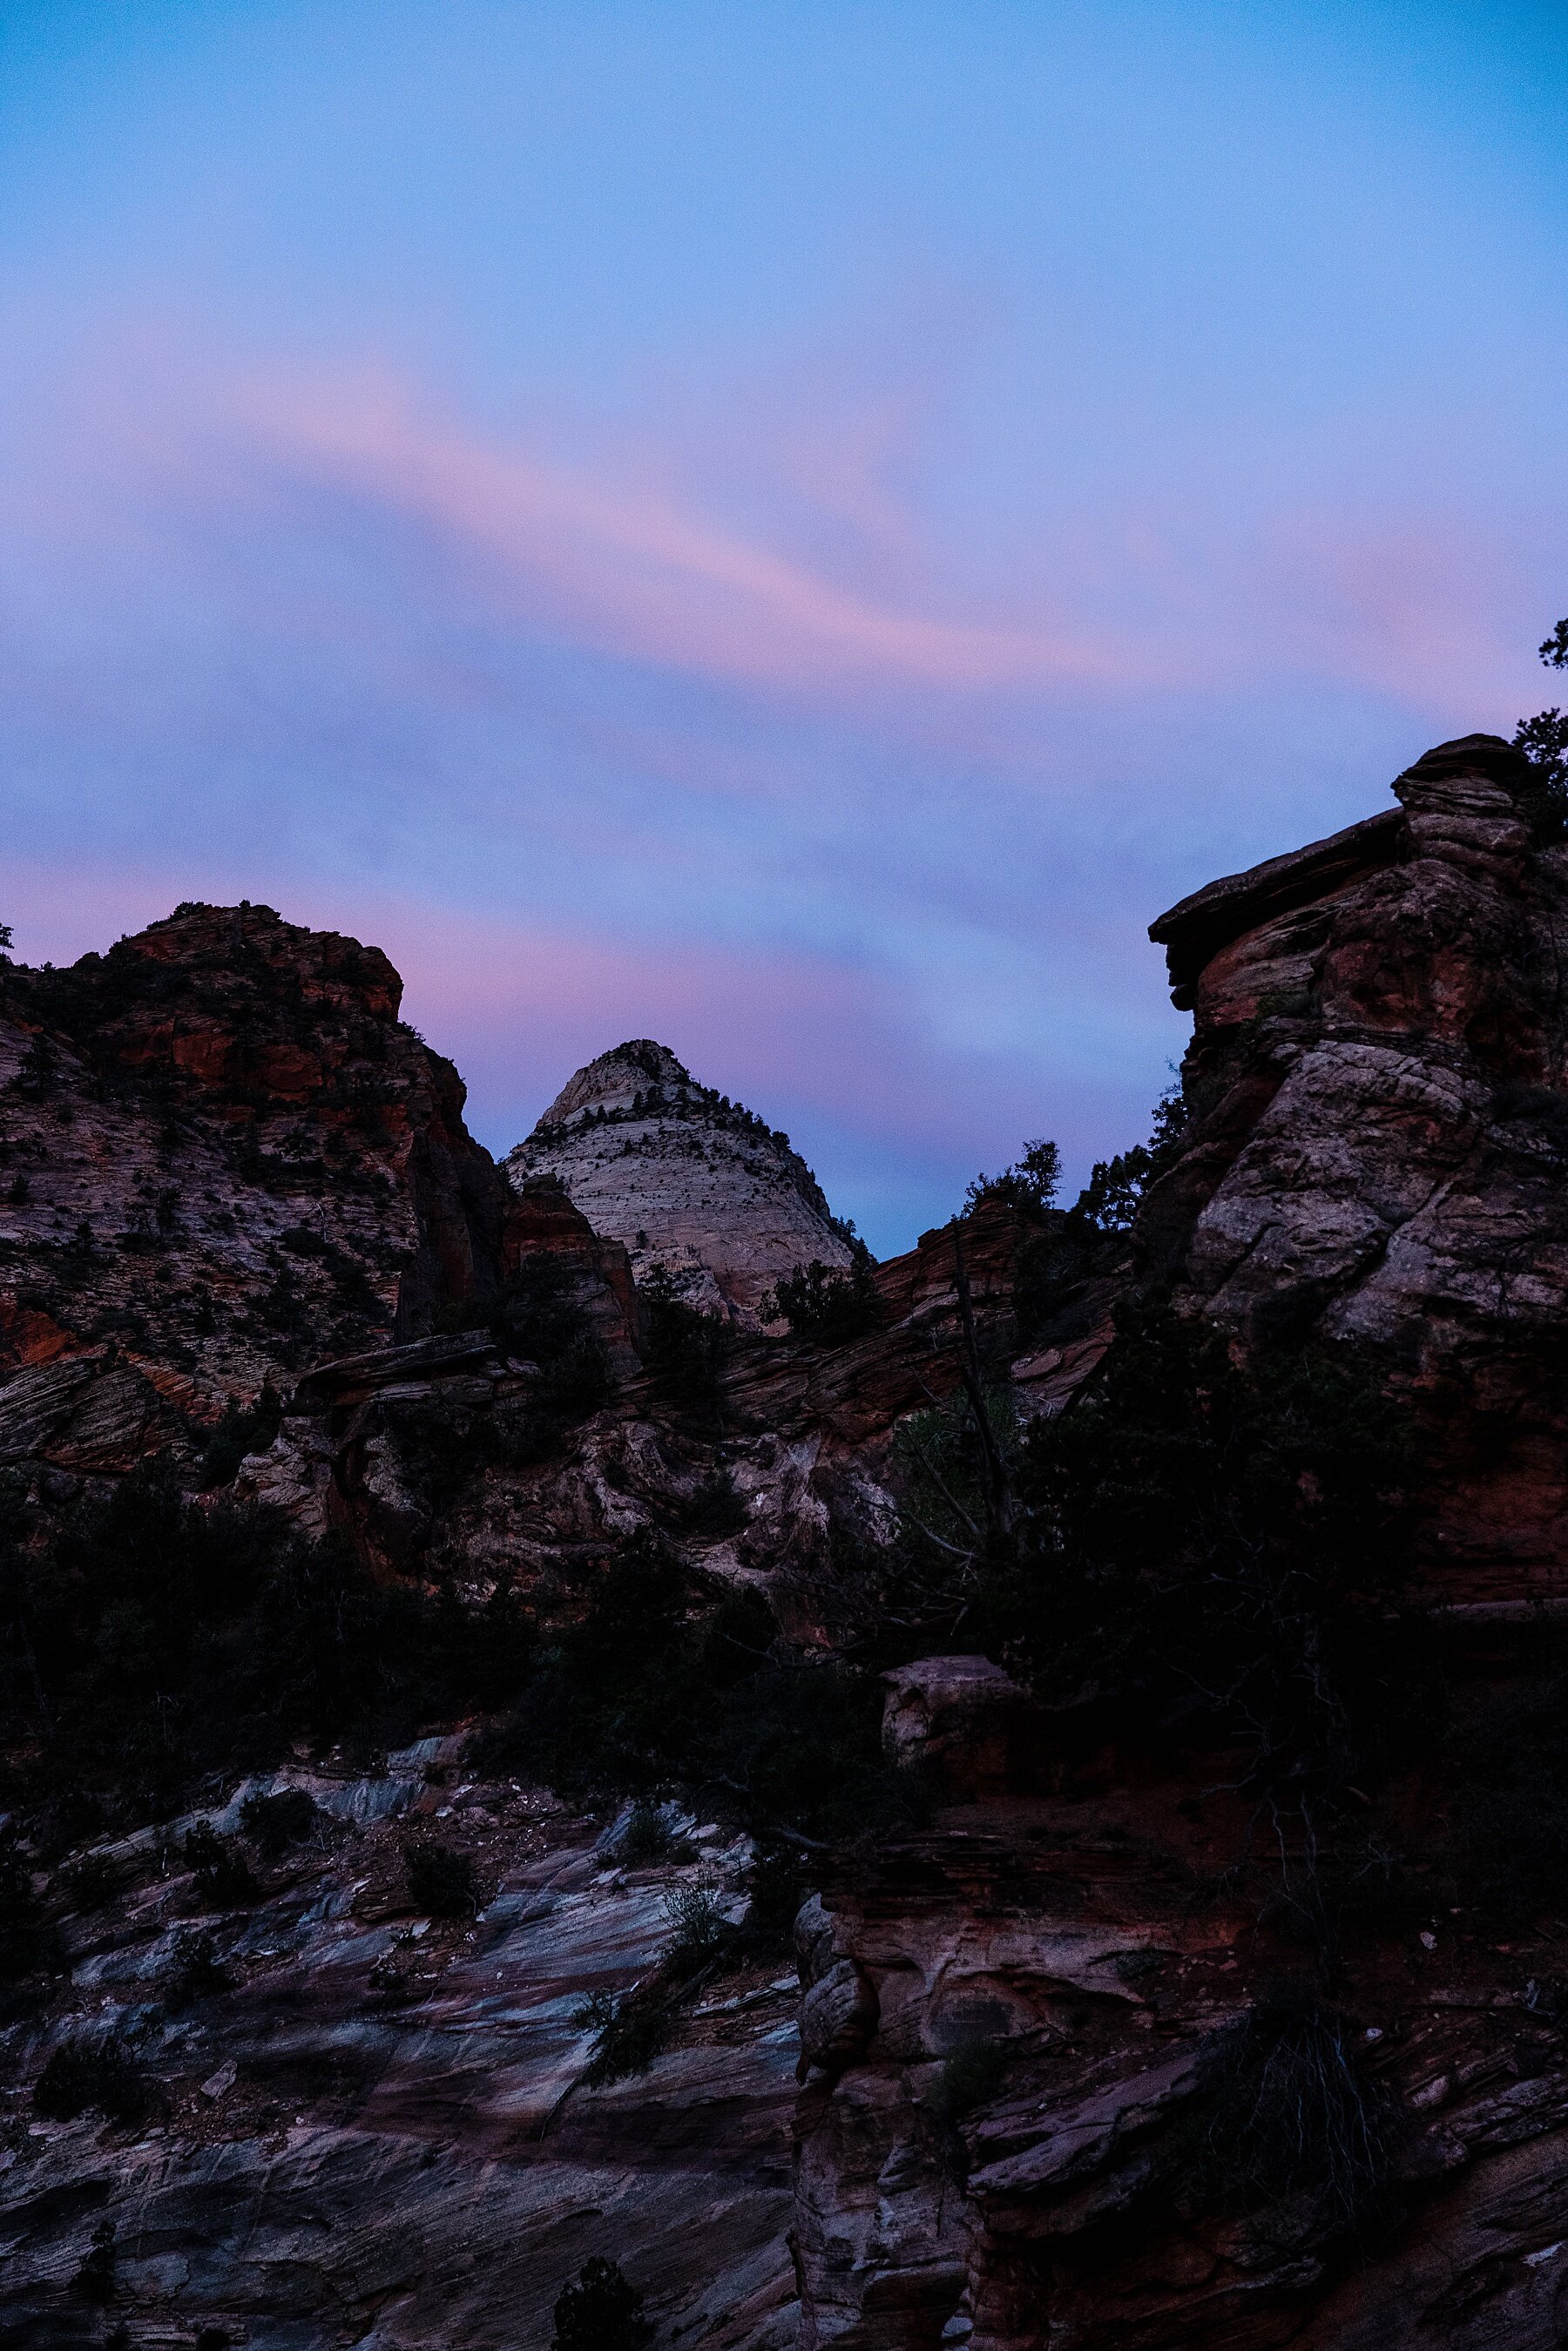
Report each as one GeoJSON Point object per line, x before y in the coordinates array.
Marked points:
{"type": "Point", "coordinates": [792, 530]}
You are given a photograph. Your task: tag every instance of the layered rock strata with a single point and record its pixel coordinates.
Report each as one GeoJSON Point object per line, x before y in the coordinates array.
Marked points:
{"type": "Point", "coordinates": [1009, 2016]}
{"type": "Point", "coordinates": [377, 2132]}
{"type": "Point", "coordinates": [796, 1449]}
{"type": "Point", "coordinates": [222, 1157]}
{"type": "Point", "coordinates": [1005, 2026]}
{"type": "Point", "coordinates": [683, 1179]}
{"type": "Point", "coordinates": [1380, 1135]}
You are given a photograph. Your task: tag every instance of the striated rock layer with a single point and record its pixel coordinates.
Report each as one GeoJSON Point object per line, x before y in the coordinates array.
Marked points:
{"type": "Point", "coordinates": [378, 2135]}
{"type": "Point", "coordinates": [1004, 2028]}
{"type": "Point", "coordinates": [222, 1157]}
{"type": "Point", "coordinates": [1380, 1142]}
{"type": "Point", "coordinates": [683, 1179]}
{"type": "Point", "coordinates": [376, 2129]}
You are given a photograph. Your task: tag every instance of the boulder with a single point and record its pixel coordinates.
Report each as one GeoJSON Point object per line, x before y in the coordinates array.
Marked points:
{"type": "Point", "coordinates": [962, 1721]}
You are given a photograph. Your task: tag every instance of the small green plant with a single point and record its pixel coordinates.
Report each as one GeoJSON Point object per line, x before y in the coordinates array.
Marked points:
{"type": "Point", "coordinates": [820, 1301]}
{"type": "Point", "coordinates": [972, 2072]}
{"type": "Point", "coordinates": [665, 1681]}
{"type": "Point", "coordinates": [92, 2070]}
{"type": "Point", "coordinates": [1285, 2110]}
{"type": "Point", "coordinates": [1065, 1249]}
{"type": "Point", "coordinates": [646, 1836]}
{"type": "Point", "coordinates": [221, 1874]}
{"type": "Point", "coordinates": [603, 2312]}
{"type": "Point", "coordinates": [1230, 1534]}
{"type": "Point", "coordinates": [441, 1881]}
{"type": "Point", "coordinates": [683, 1347]}
{"type": "Point", "coordinates": [629, 2033]}
{"type": "Point", "coordinates": [578, 1382]}
{"type": "Point", "coordinates": [94, 2280]}
{"type": "Point", "coordinates": [38, 1068]}
{"type": "Point", "coordinates": [274, 1823]}
{"type": "Point", "coordinates": [540, 1317]}
{"type": "Point", "coordinates": [242, 1429]}
{"type": "Point", "coordinates": [845, 1228]}
{"type": "Point", "coordinates": [1028, 1184]}
{"type": "Point", "coordinates": [702, 1937]}
{"type": "Point", "coordinates": [775, 1885]}
{"type": "Point", "coordinates": [177, 1642]}
{"type": "Point", "coordinates": [1543, 741]}
{"type": "Point", "coordinates": [196, 1971]}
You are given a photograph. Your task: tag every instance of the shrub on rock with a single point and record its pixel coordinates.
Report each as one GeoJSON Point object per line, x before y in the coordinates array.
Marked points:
{"type": "Point", "coordinates": [603, 2312]}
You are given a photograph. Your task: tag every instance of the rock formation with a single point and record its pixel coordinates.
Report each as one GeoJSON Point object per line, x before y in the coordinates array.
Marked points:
{"type": "Point", "coordinates": [1000, 2154]}
{"type": "Point", "coordinates": [221, 1159]}
{"type": "Point", "coordinates": [1381, 1133]}
{"type": "Point", "coordinates": [989, 2118]}
{"type": "Point", "coordinates": [377, 2123]}
{"type": "Point", "coordinates": [683, 1179]}
{"type": "Point", "coordinates": [376, 2133]}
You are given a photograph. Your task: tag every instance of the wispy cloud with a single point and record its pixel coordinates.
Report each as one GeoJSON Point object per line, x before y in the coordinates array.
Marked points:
{"type": "Point", "coordinates": [789, 561]}
{"type": "Point", "coordinates": [638, 572]}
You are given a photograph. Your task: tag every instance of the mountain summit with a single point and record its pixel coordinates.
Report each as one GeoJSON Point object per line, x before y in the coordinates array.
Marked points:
{"type": "Point", "coordinates": [683, 1178]}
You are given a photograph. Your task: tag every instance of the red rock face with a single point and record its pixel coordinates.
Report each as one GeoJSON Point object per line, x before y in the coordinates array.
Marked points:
{"type": "Point", "coordinates": [1377, 1156]}
{"type": "Point", "coordinates": [540, 1220]}
{"type": "Point", "coordinates": [223, 1158]}
{"type": "Point", "coordinates": [1378, 1068]}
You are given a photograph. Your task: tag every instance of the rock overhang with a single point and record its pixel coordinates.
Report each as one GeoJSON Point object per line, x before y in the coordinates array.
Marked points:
{"type": "Point", "coordinates": [1199, 927]}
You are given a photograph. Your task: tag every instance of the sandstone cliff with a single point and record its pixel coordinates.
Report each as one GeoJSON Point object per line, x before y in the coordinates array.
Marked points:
{"type": "Point", "coordinates": [362, 2123]}
{"type": "Point", "coordinates": [222, 1157]}
{"type": "Point", "coordinates": [682, 1177]}
{"type": "Point", "coordinates": [1012, 2017]}
{"type": "Point", "coordinates": [1015, 1984]}
{"type": "Point", "coordinates": [1380, 1123]}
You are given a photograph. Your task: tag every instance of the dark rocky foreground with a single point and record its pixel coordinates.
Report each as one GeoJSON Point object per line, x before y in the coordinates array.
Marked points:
{"type": "Point", "coordinates": [975, 2103]}
{"type": "Point", "coordinates": [375, 2134]}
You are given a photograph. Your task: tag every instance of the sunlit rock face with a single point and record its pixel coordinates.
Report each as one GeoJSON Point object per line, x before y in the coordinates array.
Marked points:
{"type": "Point", "coordinates": [683, 1178]}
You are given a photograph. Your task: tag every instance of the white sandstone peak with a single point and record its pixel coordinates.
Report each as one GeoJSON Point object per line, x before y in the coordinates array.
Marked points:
{"type": "Point", "coordinates": [683, 1178]}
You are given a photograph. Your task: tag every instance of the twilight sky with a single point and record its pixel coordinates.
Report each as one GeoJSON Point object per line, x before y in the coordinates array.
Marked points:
{"type": "Point", "coordinates": [795, 529]}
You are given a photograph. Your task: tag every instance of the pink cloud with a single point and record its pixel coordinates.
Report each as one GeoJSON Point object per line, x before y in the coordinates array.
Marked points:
{"type": "Point", "coordinates": [835, 590]}
{"type": "Point", "coordinates": [638, 571]}
{"type": "Point", "coordinates": [1434, 606]}
{"type": "Point", "coordinates": [625, 557]}
{"type": "Point", "coordinates": [531, 1001]}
